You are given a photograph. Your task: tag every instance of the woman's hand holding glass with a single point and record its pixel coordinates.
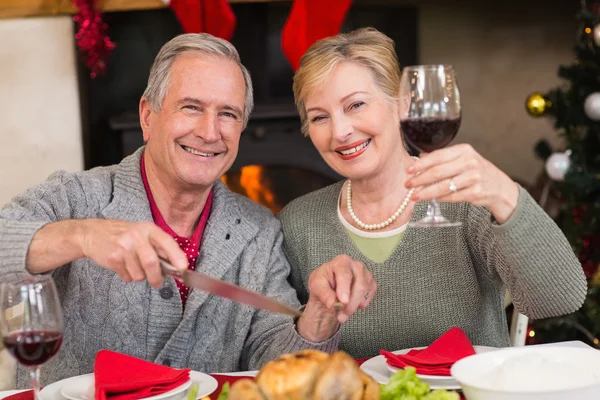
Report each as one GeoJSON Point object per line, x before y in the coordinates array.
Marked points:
{"type": "Point", "coordinates": [459, 173]}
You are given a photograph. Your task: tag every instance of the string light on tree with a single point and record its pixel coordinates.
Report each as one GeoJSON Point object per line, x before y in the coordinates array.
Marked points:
{"type": "Point", "coordinates": [557, 165]}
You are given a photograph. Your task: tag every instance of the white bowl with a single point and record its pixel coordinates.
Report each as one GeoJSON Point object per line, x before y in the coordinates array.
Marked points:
{"type": "Point", "coordinates": [530, 373]}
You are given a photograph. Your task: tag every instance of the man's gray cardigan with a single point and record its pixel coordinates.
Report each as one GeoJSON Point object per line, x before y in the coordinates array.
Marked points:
{"type": "Point", "coordinates": [241, 244]}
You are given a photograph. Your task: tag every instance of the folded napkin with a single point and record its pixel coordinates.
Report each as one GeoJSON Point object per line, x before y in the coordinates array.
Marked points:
{"type": "Point", "coordinates": [121, 377]}
{"type": "Point", "coordinates": [438, 357]}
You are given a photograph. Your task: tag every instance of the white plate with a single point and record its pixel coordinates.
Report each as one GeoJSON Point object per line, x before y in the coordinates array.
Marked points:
{"type": "Point", "coordinates": [83, 389]}
{"type": "Point", "coordinates": [379, 370]}
{"type": "Point", "coordinates": [206, 385]}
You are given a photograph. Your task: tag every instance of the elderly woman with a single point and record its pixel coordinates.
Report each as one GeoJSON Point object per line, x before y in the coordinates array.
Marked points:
{"type": "Point", "coordinates": [347, 93]}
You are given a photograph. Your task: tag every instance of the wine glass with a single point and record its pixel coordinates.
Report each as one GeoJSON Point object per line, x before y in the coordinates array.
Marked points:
{"type": "Point", "coordinates": [431, 119]}
{"type": "Point", "coordinates": [31, 322]}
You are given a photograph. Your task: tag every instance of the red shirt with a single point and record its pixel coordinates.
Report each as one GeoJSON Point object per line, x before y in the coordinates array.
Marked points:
{"type": "Point", "coordinates": [191, 246]}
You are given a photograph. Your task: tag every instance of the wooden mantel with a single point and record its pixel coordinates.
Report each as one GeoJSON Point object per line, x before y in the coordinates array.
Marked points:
{"type": "Point", "coordinates": [30, 8]}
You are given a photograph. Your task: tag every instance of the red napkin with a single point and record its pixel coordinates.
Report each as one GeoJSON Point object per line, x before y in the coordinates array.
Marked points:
{"type": "Point", "coordinates": [122, 377]}
{"type": "Point", "coordinates": [438, 357]}
{"type": "Point", "coordinates": [28, 395]}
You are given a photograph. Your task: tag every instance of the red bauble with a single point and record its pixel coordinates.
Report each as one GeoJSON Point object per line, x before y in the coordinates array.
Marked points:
{"type": "Point", "coordinates": [589, 268]}
{"type": "Point", "coordinates": [91, 36]}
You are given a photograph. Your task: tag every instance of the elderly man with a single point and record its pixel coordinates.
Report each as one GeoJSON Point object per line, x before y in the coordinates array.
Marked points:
{"type": "Point", "coordinates": [101, 233]}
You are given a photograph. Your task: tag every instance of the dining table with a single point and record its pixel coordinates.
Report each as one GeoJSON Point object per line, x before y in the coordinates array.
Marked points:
{"type": "Point", "coordinates": [221, 378]}
{"type": "Point", "coordinates": [231, 377]}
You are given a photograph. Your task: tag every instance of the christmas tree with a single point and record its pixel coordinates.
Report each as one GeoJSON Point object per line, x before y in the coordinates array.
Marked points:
{"type": "Point", "coordinates": [575, 172]}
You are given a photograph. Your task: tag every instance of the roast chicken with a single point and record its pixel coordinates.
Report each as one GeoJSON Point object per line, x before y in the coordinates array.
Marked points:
{"type": "Point", "coordinates": [308, 375]}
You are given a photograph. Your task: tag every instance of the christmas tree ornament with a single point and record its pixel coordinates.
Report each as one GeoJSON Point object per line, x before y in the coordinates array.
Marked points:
{"type": "Point", "coordinates": [211, 16]}
{"type": "Point", "coordinates": [591, 106]}
{"type": "Point", "coordinates": [596, 35]}
{"type": "Point", "coordinates": [91, 37]}
{"type": "Point", "coordinates": [537, 105]}
{"type": "Point", "coordinates": [557, 165]}
{"type": "Point", "coordinates": [595, 281]}
{"type": "Point", "coordinates": [309, 21]}
{"type": "Point", "coordinates": [589, 268]}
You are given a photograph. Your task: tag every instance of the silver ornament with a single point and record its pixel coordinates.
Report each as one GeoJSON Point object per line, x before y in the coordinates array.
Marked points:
{"type": "Point", "coordinates": [557, 165]}
{"type": "Point", "coordinates": [591, 106]}
{"type": "Point", "coordinates": [596, 35]}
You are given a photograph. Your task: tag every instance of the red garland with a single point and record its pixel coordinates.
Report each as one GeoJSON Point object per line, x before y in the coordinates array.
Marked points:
{"type": "Point", "coordinates": [91, 37]}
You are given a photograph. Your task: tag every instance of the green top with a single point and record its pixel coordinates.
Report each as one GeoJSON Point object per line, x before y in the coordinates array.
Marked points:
{"type": "Point", "coordinates": [441, 277]}
{"type": "Point", "coordinates": [376, 246]}
{"type": "Point", "coordinates": [376, 249]}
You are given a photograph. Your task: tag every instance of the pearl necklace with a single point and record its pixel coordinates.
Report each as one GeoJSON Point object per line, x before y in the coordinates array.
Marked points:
{"type": "Point", "coordinates": [370, 227]}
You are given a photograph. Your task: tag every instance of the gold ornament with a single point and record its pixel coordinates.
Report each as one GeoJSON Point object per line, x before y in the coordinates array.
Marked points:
{"type": "Point", "coordinates": [595, 281]}
{"type": "Point", "coordinates": [537, 104]}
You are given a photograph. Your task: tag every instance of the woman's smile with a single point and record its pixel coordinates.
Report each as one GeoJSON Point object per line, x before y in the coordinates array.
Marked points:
{"type": "Point", "coordinates": [353, 150]}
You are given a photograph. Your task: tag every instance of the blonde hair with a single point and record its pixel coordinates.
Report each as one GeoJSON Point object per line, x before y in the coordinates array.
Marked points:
{"type": "Point", "coordinates": [365, 46]}
{"type": "Point", "coordinates": [203, 43]}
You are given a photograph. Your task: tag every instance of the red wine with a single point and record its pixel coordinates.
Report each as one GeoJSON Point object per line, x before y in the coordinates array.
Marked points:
{"type": "Point", "coordinates": [428, 134]}
{"type": "Point", "coordinates": [33, 347]}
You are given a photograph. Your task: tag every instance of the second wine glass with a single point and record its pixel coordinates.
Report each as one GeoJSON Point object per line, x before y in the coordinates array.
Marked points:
{"type": "Point", "coordinates": [31, 322]}
{"type": "Point", "coordinates": [431, 119]}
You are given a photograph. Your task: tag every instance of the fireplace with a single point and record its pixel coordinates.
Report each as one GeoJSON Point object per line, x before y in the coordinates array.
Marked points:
{"type": "Point", "coordinates": [276, 163]}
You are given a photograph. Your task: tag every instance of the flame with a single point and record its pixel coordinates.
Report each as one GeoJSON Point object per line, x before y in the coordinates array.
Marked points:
{"type": "Point", "coordinates": [255, 185]}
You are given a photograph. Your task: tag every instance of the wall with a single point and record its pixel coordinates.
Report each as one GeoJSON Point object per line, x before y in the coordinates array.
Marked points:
{"type": "Point", "coordinates": [40, 128]}
{"type": "Point", "coordinates": [501, 52]}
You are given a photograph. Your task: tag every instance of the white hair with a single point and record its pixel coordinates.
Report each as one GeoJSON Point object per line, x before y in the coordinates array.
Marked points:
{"type": "Point", "coordinates": [160, 73]}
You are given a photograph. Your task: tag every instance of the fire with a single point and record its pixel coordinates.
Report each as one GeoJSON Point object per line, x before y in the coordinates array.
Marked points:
{"type": "Point", "coordinates": [255, 185]}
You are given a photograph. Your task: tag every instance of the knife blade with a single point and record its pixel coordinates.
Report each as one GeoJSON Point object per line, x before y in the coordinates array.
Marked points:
{"type": "Point", "coordinates": [227, 290]}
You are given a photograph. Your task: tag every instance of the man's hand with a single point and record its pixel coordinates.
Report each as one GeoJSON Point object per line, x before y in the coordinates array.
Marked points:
{"type": "Point", "coordinates": [342, 280]}
{"type": "Point", "coordinates": [131, 249]}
